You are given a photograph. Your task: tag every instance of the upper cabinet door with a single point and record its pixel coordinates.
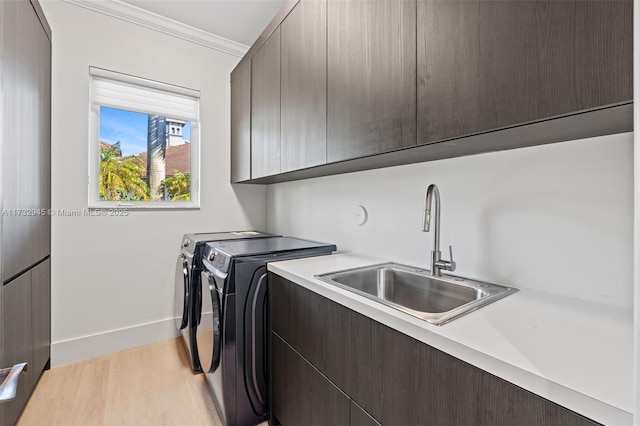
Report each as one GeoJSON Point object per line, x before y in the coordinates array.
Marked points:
{"type": "Point", "coordinates": [25, 68]}
{"type": "Point", "coordinates": [241, 123]}
{"type": "Point", "coordinates": [483, 65]}
{"type": "Point", "coordinates": [304, 86]}
{"type": "Point", "coordinates": [265, 108]}
{"type": "Point", "coordinates": [371, 77]}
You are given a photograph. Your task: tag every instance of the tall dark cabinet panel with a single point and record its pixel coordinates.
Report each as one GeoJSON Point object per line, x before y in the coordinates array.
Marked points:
{"type": "Point", "coordinates": [26, 74]}
{"type": "Point", "coordinates": [25, 196]}
{"type": "Point", "coordinates": [371, 77]}
{"type": "Point", "coordinates": [241, 123]}
{"type": "Point", "coordinates": [265, 108]}
{"type": "Point", "coordinates": [484, 65]}
{"type": "Point", "coordinates": [303, 36]}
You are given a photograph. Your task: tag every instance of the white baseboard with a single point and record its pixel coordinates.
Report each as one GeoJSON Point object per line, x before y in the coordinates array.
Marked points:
{"type": "Point", "coordinates": [85, 347]}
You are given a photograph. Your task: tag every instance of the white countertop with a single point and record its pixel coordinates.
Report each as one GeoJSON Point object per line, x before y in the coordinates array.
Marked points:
{"type": "Point", "coordinates": [578, 354]}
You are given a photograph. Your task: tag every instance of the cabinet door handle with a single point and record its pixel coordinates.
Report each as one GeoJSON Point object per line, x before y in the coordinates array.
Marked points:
{"type": "Point", "coordinates": [9, 385]}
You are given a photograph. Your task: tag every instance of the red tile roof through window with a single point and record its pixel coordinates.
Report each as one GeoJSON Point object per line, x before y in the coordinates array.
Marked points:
{"type": "Point", "coordinates": [176, 158]}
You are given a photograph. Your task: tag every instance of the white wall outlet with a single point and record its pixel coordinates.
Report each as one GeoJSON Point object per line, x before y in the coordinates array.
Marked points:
{"type": "Point", "coordinates": [360, 215]}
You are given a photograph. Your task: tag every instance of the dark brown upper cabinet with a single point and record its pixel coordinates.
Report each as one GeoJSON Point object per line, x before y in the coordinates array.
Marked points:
{"type": "Point", "coordinates": [369, 84]}
{"type": "Point", "coordinates": [265, 108]}
{"type": "Point", "coordinates": [487, 65]}
{"type": "Point", "coordinates": [303, 38]}
{"type": "Point", "coordinates": [241, 123]}
{"type": "Point", "coordinates": [371, 75]}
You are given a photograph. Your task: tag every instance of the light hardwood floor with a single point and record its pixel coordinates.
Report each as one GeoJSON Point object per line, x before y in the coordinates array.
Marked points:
{"type": "Point", "coordinates": [149, 385]}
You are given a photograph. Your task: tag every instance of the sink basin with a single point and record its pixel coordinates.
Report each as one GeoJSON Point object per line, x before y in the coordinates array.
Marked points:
{"type": "Point", "coordinates": [415, 291]}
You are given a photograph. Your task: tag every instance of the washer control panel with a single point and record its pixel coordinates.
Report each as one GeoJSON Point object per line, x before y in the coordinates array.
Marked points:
{"type": "Point", "coordinates": [221, 261]}
{"type": "Point", "coordinates": [214, 258]}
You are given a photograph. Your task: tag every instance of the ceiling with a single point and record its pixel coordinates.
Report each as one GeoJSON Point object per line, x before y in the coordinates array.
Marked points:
{"type": "Point", "coordinates": [241, 21]}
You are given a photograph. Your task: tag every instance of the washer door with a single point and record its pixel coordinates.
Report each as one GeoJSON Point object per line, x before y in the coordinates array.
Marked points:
{"type": "Point", "coordinates": [181, 307]}
{"type": "Point", "coordinates": [208, 316]}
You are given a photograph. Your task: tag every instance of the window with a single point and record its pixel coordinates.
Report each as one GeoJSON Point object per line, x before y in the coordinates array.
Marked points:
{"type": "Point", "coordinates": [144, 143]}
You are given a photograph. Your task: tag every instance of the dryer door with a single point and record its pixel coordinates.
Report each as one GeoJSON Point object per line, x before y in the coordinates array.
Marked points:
{"type": "Point", "coordinates": [181, 308]}
{"type": "Point", "coordinates": [256, 336]}
{"type": "Point", "coordinates": [208, 316]}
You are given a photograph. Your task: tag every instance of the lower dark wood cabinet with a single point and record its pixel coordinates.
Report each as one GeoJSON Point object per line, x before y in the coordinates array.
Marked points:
{"type": "Point", "coordinates": [41, 316]}
{"type": "Point", "coordinates": [423, 385]}
{"type": "Point", "coordinates": [300, 394]}
{"type": "Point", "coordinates": [17, 340]}
{"type": "Point", "coordinates": [365, 363]}
{"type": "Point", "coordinates": [359, 417]}
{"type": "Point", "coordinates": [25, 324]}
{"type": "Point", "coordinates": [327, 359]}
{"type": "Point", "coordinates": [315, 326]}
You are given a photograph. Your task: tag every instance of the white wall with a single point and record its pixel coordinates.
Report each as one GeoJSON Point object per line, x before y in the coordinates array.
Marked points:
{"type": "Point", "coordinates": [112, 277]}
{"type": "Point", "coordinates": [555, 218]}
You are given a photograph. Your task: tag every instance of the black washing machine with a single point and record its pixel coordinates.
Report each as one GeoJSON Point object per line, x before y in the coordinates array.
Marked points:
{"type": "Point", "coordinates": [232, 331]}
{"type": "Point", "coordinates": [188, 268]}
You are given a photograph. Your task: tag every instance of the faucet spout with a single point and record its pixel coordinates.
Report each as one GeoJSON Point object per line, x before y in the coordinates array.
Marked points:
{"type": "Point", "coordinates": [433, 197]}
{"type": "Point", "coordinates": [432, 200]}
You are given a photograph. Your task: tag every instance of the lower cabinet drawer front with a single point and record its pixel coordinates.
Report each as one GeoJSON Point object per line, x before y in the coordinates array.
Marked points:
{"type": "Point", "coordinates": [301, 395]}
{"type": "Point", "coordinates": [17, 345]}
{"type": "Point", "coordinates": [315, 326]}
{"type": "Point", "coordinates": [425, 386]}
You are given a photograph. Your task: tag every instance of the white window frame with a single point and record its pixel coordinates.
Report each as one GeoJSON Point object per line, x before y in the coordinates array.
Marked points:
{"type": "Point", "coordinates": [94, 200]}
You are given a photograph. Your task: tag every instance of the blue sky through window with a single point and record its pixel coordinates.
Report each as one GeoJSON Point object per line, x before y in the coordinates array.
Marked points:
{"type": "Point", "coordinates": [130, 128]}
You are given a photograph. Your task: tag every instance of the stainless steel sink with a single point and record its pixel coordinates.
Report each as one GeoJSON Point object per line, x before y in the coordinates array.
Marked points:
{"type": "Point", "coordinates": [415, 291]}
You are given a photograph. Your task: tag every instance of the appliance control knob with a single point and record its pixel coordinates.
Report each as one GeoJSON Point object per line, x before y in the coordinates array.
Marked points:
{"type": "Point", "coordinates": [186, 242]}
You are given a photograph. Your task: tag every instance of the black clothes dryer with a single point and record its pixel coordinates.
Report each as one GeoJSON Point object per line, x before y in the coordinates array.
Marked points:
{"type": "Point", "coordinates": [232, 330]}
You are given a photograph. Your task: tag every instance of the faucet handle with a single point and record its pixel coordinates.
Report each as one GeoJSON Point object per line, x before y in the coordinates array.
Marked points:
{"type": "Point", "coordinates": [451, 262]}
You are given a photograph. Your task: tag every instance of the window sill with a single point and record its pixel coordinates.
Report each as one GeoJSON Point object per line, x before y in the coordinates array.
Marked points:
{"type": "Point", "coordinates": [144, 205]}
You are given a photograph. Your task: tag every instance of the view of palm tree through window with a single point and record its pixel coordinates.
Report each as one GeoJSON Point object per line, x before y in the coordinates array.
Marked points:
{"type": "Point", "coordinates": [144, 157]}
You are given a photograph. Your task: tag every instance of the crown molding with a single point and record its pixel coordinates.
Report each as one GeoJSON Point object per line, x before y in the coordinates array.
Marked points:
{"type": "Point", "coordinates": [144, 18]}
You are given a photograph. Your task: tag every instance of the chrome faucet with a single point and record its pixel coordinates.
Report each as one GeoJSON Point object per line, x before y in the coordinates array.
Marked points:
{"type": "Point", "coordinates": [437, 264]}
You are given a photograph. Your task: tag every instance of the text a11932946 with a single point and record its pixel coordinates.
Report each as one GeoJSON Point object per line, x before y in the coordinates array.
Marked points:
{"type": "Point", "coordinates": [30, 212]}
